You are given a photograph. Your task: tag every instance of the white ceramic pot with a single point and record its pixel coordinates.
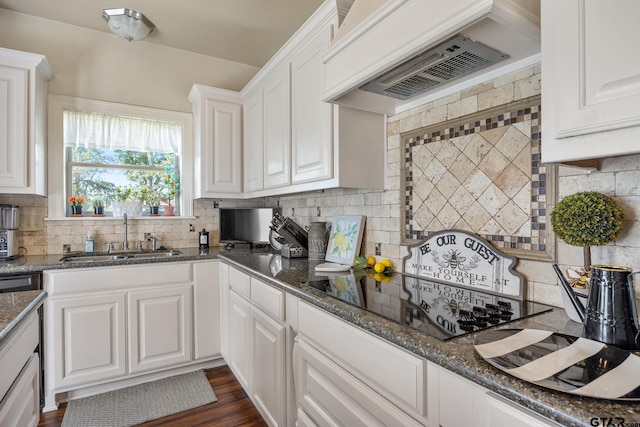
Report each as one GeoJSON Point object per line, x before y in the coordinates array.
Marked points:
{"type": "Point", "coordinates": [132, 208]}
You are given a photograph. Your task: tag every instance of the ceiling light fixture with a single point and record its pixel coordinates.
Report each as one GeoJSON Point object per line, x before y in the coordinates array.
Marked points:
{"type": "Point", "coordinates": [128, 24]}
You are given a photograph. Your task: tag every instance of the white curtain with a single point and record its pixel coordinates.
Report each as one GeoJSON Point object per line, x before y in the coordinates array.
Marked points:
{"type": "Point", "coordinates": [98, 130]}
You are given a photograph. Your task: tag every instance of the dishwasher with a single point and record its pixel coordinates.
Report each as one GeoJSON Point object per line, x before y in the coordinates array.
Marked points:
{"type": "Point", "coordinates": [27, 282]}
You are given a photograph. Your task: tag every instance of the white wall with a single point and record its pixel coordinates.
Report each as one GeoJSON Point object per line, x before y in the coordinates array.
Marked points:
{"type": "Point", "coordinates": [99, 65]}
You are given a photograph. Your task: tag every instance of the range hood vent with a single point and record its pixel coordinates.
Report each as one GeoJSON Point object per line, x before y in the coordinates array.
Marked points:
{"type": "Point", "coordinates": [441, 64]}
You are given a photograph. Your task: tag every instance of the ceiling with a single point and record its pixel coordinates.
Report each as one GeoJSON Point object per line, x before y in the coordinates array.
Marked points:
{"type": "Point", "coordinates": [245, 31]}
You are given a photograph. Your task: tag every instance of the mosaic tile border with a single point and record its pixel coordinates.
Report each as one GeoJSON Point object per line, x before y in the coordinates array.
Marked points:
{"type": "Point", "coordinates": [540, 244]}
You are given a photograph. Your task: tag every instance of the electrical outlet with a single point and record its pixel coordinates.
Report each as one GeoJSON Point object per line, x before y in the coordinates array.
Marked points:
{"type": "Point", "coordinates": [66, 248]}
{"type": "Point", "coordinates": [319, 213]}
{"type": "Point", "coordinates": [192, 227]}
{"type": "Point", "coordinates": [293, 211]}
{"type": "Point", "coordinates": [216, 205]}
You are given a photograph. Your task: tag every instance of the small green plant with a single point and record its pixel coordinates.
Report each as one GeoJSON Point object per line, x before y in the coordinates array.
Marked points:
{"type": "Point", "coordinates": [587, 219]}
{"type": "Point", "coordinates": [123, 194]}
{"type": "Point", "coordinates": [98, 204]}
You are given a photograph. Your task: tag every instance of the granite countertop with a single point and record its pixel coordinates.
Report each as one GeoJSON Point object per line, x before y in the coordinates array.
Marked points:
{"type": "Point", "coordinates": [456, 354]}
{"type": "Point", "coordinates": [16, 306]}
{"type": "Point", "coordinates": [38, 263]}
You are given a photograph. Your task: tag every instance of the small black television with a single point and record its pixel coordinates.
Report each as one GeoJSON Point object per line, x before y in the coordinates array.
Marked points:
{"type": "Point", "coordinates": [245, 225]}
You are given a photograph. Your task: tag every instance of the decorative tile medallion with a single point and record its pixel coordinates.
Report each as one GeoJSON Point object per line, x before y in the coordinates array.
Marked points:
{"type": "Point", "coordinates": [481, 173]}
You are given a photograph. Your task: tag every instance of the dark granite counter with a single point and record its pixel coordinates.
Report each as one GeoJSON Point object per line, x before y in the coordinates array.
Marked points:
{"type": "Point", "coordinates": [16, 306]}
{"type": "Point", "coordinates": [457, 354]}
{"type": "Point", "coordinates": [38, 263]}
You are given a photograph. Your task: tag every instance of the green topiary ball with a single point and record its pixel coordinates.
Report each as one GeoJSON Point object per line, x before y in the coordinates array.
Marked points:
{"type": "Point", "coordinates": [587, 219]}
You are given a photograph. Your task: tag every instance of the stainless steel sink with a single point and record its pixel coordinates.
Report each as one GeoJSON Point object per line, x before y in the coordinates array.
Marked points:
{"type": "Point", "coordinates": [121, 256]}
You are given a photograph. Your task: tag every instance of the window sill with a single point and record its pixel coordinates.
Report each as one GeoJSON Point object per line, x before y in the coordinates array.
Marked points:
{"type": "Point", "coordinates": [117, 218]}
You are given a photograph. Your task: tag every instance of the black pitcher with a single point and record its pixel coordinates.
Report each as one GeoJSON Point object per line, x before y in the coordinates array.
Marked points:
{"type": "Point", "coordinates": [611, 315]}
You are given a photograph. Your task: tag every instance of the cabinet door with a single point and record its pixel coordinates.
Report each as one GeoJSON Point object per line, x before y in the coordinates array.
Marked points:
{"type": "Point", "coordinates": [13, 127]}
{"type": "Point", "coordinates": [591, 86]}
{"type": "Point", "coordinates": [206, 309]}
{"type": "Point", "coordinates": [221, 162]}
{"type": "Point", "coordinates": [159, 327]}
{"type": "Point", "coordinates": [253, 142]}
{"type": "Point", "coordinates": [268, 355]}
{"type": "Point", "coordinates": [329, 395]}
{"type": "Point", "coordinates": [277, 129]}
{"type": "Point", "coordinates": [312, 121]}
{"type": "Point", "coordinates": [224, 311]}
{"type": "Point", "coordinates": [240, 339]}
{"type": "Point", "coordinates": [21, 405]}
{"type": "Point", "coordinates": [89, 339]}
{"type": "Point", "coordinates": [501, 412]}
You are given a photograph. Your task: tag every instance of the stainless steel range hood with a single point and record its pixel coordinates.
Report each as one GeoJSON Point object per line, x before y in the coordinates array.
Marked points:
{"type": "Point", "coordinates": [404, 51]}
{"type": "Point", "coordinates": [442, 64]}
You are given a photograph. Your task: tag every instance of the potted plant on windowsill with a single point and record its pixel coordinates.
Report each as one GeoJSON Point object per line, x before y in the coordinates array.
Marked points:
{"type": "Point", "coordinates": [98, 208]}
{"type": "Point", "coordinates": [126, 200]}
{"type": "Point", "coordinates": [76, 205]}
{"type": "Point", "coordinates": [171, 182]}
{"type": "Point", "coordinates": [152, 199]}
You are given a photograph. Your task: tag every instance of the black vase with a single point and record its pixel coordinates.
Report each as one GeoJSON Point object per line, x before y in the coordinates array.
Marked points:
{"type": "Point", "coordinates": [153, 210]}
{"type": "Point", "coordinates": [76, 210]}
{"type": "Point", "coordinates": [98, 210]}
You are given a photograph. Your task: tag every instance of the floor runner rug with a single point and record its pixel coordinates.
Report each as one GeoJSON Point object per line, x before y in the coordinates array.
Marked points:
{"type": "Point", "coordinates": [143, 402]}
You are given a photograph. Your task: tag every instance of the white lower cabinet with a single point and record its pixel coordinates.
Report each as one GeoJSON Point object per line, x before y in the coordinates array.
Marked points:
{"type": "Point", "coordinates": [329, 395]}
{"type": "Point", "coordinates": [268, 367]}
{"type": "Point", "coordinates": [92, 339]}
{"type": "Point", "coordinates": [302, 366]}
{"type": "Point", "coordinates": [346, 376]}
{"type": "Point", "coordinates": [464, 403]}
{"type": "Point", "coordinates": [106, 324]}
{"type": "Point", "coordinates": [257, 352]}
{"type": "Point", "coordinates": [20, 375]}
{"type": "Point", "coordinates": [21, 406]}
{"type": "Point", "coordinates": [239, 338]}
{"type": "Point", "coordinates": [159, 327]}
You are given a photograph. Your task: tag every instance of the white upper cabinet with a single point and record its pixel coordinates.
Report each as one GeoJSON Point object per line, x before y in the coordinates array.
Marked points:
{"type": "Point", "coordinates": [591, 79]}
{"type": "Point", "coordinates": [23, 124]}
{"type": "Point", "coordinates": [277, 128]}
{"type": "Point", "coordinates": [253, 142]}
{"type": "Point", "coordinates": [312, 130]}
{"type": "Point", "coordinates": [217, 117]}
{"type": "Point", "coordinates": [307, 144]}
{"type": "Point", "coordinates": [267, 133]}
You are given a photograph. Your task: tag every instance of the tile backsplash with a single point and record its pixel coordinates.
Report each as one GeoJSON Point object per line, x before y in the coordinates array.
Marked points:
{"type": "Point", "coordinates": [619, 178]}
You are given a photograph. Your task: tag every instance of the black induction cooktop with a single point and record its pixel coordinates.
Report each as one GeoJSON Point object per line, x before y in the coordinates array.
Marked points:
{"type": "Point", "coordinates": [443, 311]}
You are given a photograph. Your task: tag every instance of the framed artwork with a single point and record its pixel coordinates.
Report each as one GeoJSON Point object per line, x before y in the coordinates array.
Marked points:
{"type": "Point", "coordinates": [345, 239]}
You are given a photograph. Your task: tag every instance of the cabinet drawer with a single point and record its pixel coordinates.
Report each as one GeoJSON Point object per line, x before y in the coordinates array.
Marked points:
{"type": "Point", "coordinates": [16, 352]}
{"type": "Point", "coordinates": [240, 282]}
{"type": "Point", "coordinates": [116, 277]}
{"type": "Point", "coordinates": [398, 375]}
{"type": "Point", "coordinates": [268, 298]}
{"type": "Point", "coordinates": [21, 405]}
{"type": "Point", "coordinates": [326, 392]}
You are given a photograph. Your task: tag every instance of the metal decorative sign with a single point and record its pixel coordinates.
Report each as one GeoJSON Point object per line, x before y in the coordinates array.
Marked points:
{"type": "Point", "coordinates": [464, 259]}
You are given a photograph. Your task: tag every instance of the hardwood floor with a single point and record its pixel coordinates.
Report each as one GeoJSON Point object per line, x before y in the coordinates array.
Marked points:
{"type": "Point", "coordinates": [233, 407]}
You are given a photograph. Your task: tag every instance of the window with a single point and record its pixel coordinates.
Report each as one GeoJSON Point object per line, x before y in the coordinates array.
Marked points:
{"type": "Point", "coordinates": [112, 159]}
{"type": "Point", "coordinates": [111, 153]}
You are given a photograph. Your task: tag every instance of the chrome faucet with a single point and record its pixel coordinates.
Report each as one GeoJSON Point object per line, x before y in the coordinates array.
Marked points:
{"type": "Point", "coordinates": [125, 244]}
{"type": "Point", "coordinates": [153, 239]}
